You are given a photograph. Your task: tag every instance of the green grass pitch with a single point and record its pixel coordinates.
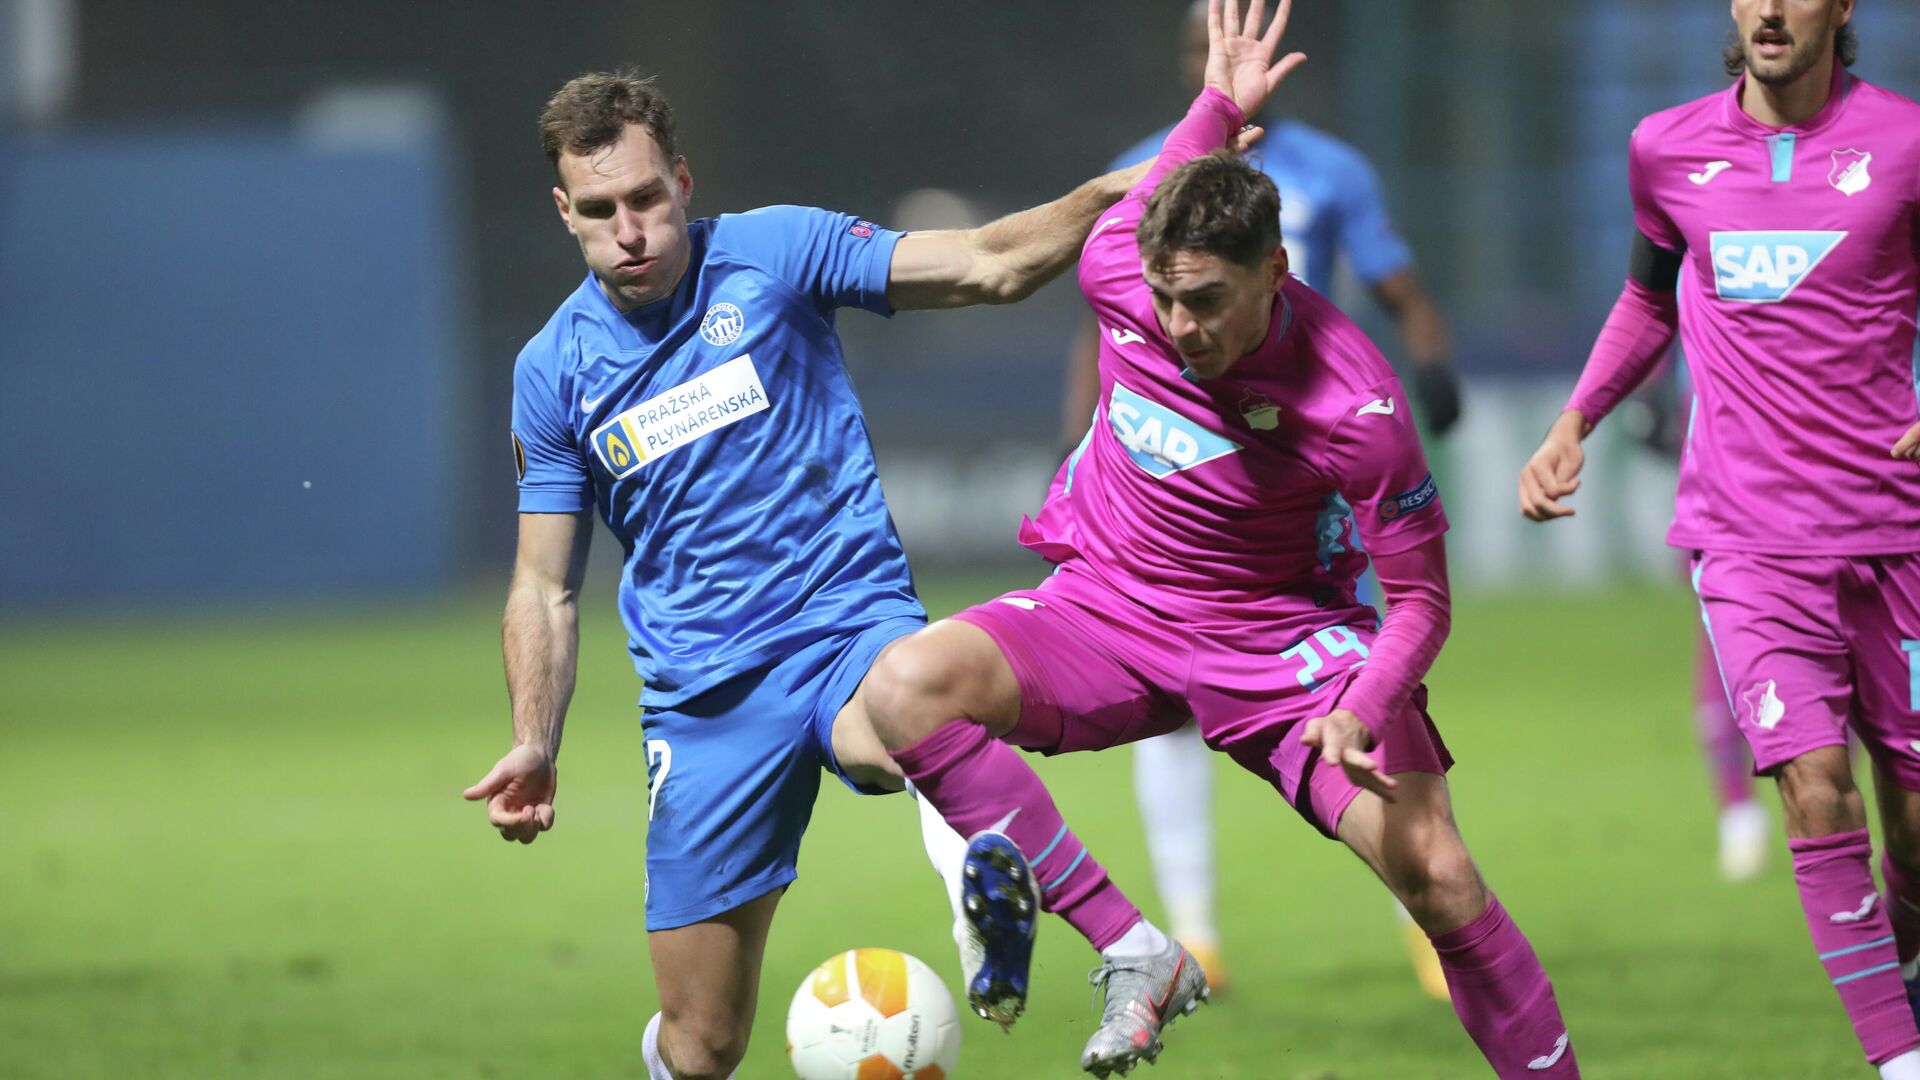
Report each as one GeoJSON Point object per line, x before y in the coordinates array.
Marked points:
{"type": "Point", "coordinates": [234, 846]}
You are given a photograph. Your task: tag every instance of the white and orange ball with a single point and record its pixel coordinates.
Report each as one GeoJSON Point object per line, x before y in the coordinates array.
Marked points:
{"type": "Point", "coordinates": [873, 1014]}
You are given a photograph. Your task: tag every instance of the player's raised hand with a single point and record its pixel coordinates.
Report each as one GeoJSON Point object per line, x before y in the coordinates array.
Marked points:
{"type": "Point", "coordinates": [1344, 740]}
{"type": "Point", "coordinates": [519, 793]}
{"type": "Point", "coordinates": [1240, 60]}
{"type": "Point", "coordinates": [1553, 473]}
{"type": "Point", "coordinates": [1909, 445]}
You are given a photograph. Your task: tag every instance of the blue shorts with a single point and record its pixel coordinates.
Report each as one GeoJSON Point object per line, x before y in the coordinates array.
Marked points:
{"type": "Point", "coordinates": [732, 775]}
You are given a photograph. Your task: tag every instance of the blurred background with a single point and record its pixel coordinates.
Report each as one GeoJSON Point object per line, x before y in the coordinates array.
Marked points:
{"type": "Point", "coordinates": [264, 270]}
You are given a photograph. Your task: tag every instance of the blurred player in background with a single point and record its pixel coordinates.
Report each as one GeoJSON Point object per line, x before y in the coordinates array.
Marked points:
{"type": "Point", "coordinates": [692, 392]}
{"type": "Point", "coordinates": [1330, 207]}
{"type": "Point", "coordinates": [1654, 416]}
{"type": "Point", "coordinates": [1786, 214]}
{"type": "Point", "coordinates": [1251, 449]}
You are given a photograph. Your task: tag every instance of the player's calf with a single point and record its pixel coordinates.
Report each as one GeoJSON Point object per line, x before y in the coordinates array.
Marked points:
{"type": "Point", "coordinates": [1499, 989]}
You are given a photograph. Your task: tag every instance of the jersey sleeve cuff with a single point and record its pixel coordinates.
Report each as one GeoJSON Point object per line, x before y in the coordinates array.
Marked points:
{"type": "Point", "coordinates": [555, 500]}
{"type": "Point", "coordinates": [873, 287]}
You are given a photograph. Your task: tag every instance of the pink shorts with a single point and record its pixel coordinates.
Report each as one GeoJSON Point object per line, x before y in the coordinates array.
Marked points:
{"type": "Point", "coordinates": [1808, 644]}
{"type": "Point", "coordinates": [1097, 669]}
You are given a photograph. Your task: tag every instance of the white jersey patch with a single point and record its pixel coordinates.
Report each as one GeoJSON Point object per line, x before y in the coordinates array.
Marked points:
{"type": "Point", "coordinates": [693, 410]}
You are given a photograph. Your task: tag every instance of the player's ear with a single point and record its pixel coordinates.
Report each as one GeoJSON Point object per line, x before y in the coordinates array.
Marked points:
{"type": "Point", "coordinates": [1277, 268]}
{"type": "Point", "coordinates": [564, 205]}
{"type": "Point", "coordinates": [683, 178]}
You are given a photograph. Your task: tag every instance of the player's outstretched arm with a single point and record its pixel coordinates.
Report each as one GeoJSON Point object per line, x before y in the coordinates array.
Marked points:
{"type": "Point", "coordinates": [1240, 61]}
{"type": "Point", "coordinates": [1423, 333]}
{"type": "Point", "coordinates": [540, 639]}
{"type": "Point", "coordinates": [1002, 261]}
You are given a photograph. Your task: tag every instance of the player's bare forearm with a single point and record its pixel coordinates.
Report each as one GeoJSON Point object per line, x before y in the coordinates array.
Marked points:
{"type": "Point", "coordinates": [1423, 330]}
{"type": "Point", "coordinates": [1006, 260]}
{"type": "Point", "coordinates": [540, 631]}
{"type": "Point", "coordinates": [540, 642]}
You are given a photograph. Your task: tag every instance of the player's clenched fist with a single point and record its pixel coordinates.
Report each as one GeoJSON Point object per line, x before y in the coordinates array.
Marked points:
{"type": "Point", "coordinates": [519, 793]}
{"type": "Point", "coordinates": [1553, 473]}
{"type": "Point", "coordinates": [1344, 740]}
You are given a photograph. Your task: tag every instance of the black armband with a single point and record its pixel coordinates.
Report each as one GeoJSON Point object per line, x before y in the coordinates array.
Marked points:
{"type": "Point", "coordinates": [1654, 266]}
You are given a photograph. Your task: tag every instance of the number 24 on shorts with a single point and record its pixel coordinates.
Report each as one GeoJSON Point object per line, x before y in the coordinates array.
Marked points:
{"type": "Point", "coordinates": [1334, 641]}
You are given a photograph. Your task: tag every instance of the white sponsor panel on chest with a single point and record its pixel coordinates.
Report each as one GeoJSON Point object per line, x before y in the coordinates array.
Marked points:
{"type": "Point", "coordinates": [691, 411]}
{"type": "Point", "coordinates": [1766, 266]}
{"type": "Point", "coordinates": [1158, 439]}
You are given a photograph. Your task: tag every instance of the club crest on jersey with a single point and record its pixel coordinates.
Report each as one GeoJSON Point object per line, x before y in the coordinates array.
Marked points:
{"type": "Point", "coordinates": [1765, 267]}
{"type": "Point", "coordinates": [691, 411]}
{"type": "Point", "coordinates": [1159, 440]}
{"type": "Point", "coordinates": [1259, 413]}
{"type": "Point", "coordinates": [723, 323]}
{"type": "Point", "coordinates": [1849, 172]}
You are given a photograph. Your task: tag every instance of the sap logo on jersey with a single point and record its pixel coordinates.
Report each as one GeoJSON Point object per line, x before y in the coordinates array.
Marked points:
{"type": "Point", "coordinates": [1160, 440]}
{"type": "Point", "coordinates": [1765, 267]}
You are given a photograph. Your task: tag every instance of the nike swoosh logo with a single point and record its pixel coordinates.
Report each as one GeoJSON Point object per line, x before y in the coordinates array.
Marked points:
{"type": "Point", "coordinates": [1104, 226]}
{"type": "Point", "coordinates": [1708, 171]}
{"type": "Point", "coordinates": [1548, 1061]}
{"type": "Point", "coordinates": [588, 404]}
{"type": "Point", "coordinates": [1854, 916]}
{"type": "Point", "coordinates": [1124, 337]}
{"type": "Point", "coordinates": [1160, 1007]}
{"type": "Point", "coordinates": [1382, 406]}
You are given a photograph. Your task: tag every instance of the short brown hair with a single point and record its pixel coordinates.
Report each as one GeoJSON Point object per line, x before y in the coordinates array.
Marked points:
{"type": "Point", "coordinates": [593, 109]}
{"type": "Point", "coordinates": [1217, 204]}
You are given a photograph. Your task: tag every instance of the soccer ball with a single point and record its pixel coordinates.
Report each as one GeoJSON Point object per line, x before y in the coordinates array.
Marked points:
{"type": "Point", "coordinates": [873, 1014]}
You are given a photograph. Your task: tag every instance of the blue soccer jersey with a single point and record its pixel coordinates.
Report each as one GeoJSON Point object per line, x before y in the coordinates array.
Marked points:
{"type": "Point", "coordinates": [1330, 203]}
{"type": "Point", "coordinates": [718, 436]}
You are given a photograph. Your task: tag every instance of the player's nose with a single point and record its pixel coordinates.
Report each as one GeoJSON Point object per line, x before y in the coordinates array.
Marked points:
{"type": "Point", "coordinates": [627, 231]}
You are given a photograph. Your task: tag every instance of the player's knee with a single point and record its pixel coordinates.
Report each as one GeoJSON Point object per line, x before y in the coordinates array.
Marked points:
{"type": "Point", "coordinates": [913, 688]}
{"type": "Point", "coordinates": [1818, 796]}
{"type": "Point", "coordinates": [1441, 888]}
{"type": "Point", "coordinates": [698, 1048]}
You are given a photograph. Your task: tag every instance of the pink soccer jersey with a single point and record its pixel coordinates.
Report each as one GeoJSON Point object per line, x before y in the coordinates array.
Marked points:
{"type": "Point", "coordinates": [1797, 303]}
{"type": "Point", "coordinates": [1253, 495]}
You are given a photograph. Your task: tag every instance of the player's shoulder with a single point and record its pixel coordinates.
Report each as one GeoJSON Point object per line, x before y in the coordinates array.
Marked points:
{"type": "Point", "coordinates": [1892, 110]}
{"type": "Point", "coordinates": [1344, 357]}
{"type": "Point", "coordinates": [770, 230]}
{"type": "Point", "coordinates": [558, 343]}
{"type": "Point", "coordinates": [1320, 149]}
